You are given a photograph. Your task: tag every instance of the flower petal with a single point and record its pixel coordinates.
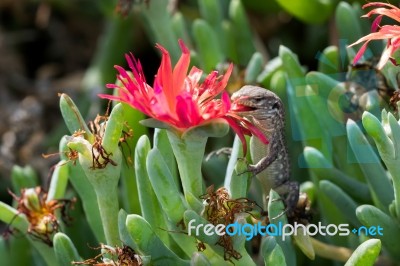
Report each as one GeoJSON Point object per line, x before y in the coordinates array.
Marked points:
{"type": "Point", "coordinates": [180, 69]}
{"type": "Point", "coordinates": [375, 23]}
{"type": "Point", "coordinates": [238, 130]}
{"type": "Point", "coordinates": [187, 111]}
{"type": "Point", "coordinates": [164, 79]}
{"type": "Point", "coordinates": [211, 87]}
{"type": "Point", "coordinates": [383, 9]}
{"type": "Point", "coordinates": [360, 53]}
{"type": "Point", "coordinates": [178, 99]}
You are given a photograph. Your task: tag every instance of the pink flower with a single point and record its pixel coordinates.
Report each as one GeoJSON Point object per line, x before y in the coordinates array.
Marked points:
{"type": "Point", "coordinates": [178, 98]}
{"type": "Point", "coordinates": [389, 32]}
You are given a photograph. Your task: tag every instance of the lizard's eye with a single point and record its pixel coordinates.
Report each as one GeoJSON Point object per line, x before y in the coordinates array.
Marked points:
{"type": "Point", "coordinates": [259, 98]}
{"type": "Point", "coordinates": [275, 106]}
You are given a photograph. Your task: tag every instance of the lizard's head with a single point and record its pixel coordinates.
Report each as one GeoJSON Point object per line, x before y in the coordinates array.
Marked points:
{"type": "Point", "coordinates": [256, 102]}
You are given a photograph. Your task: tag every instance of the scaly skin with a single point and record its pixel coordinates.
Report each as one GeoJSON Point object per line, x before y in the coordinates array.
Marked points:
{"type": "Point", "coordinates": [265, 110]}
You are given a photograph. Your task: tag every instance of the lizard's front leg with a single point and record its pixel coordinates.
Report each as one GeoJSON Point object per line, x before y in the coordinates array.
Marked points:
{"type": "Point", "coordinates": [261, 165]}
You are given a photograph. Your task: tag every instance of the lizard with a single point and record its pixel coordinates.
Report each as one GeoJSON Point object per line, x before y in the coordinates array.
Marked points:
{"type": "Point", "coordinates": [265, 110]}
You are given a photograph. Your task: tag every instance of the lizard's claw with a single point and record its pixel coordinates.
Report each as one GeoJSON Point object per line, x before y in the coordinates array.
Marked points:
{"type": "Point", "coordinates": [250, 167]}
{"type": "Point", "coordinates": [253, 169]}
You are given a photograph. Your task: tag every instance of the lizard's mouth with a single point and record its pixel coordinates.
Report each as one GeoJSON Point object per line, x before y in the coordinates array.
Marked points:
{"type": "Point", "coordinates": [240, 107]}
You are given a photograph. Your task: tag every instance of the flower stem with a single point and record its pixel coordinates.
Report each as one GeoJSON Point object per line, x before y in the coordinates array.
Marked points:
{"type": "Point", "coordinates": [108, 206]}
{"type": "Point", "coordinates": [189, 153]}
{"type": "Point", "coordinates": [105, 183]}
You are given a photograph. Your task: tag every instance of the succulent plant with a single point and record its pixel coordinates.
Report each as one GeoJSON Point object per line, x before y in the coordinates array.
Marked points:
{"type": "Point", "coordinates": [141, 198]}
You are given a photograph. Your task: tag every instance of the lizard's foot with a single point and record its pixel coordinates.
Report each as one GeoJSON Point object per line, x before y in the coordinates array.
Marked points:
{"type": "Point", "coordinates": [255, 169]}
{"type": "Point", "coordinates": [289, 192]}
{"type": "Point", "coordinates": [282, 213]}
{"type": "Point", "coordinates": [226, 151]}
{"type": "Point", "coordinates": [299, 213]}
{"type": "Point", "coordinates": [249, 167]}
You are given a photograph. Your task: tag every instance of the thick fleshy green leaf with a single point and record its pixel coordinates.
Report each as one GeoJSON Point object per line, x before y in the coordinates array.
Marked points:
{"type": "Point", "coordinates": [123, 231]}
{"type": "Point", "coordinates": [374, 128]}
{"type": "Point", "coordinates": [328, 60]}
{"type": "Point", "coordinates": [211, 11]}
{"type": "Point", "coordinates": [239, 242]}
{"type": "Point", "coordinates": [237, 178]}
{"type": "Point", "coordinates": [277, 216]}
{"type": "Point", "coordinates": [345, 16]}
{"type": "Point", "coordinates": [325, 171]}
{"type": "Point", "coordinates": [129, 194]}
{"type": "Point", "coordinates": [164, 186]}
{"type": "Point", "coordinates": [343, 201]}
{"type": "Point", "coordinates": [181, 244]}
{"type": "Point", "coordinates": [193, 220]}
{"type": "Point", "coordinates": [154, 123]}
{"type": "Point", "coordinates": [86, 194]}
{"type": "Point", "coordinates": [59, 181]}
{"type": "Point", "coordinates": [379, 184]}
{"type": "Point", "coordinates": [161, 142]}
{"type": "Point", "coordinates": [230, 46]}
{"type": "Point", "coordinates": [180, 28]}
{"type": "Point", "coordinates": [11, 216]}
{"type": "Point", "coordinates": [387, 139]}
{"type": "Point", "coordinates": [303, 242]}
{"type": "Point", "coordinates": [208, 45]}
{"type": "Point", "coordinates": [315, 11]}
{"type": "Point", "coordinates": [149, 244]}
{"type": "Point", "coordinates": [199, 259]}
{"type": "Point", "coordinates": [18, 251]}
{"type": "Point", "coordinates": [242, 32]}
{"type": "Point", "coordinates": [65, 250]}
{"type": "Point", "coordinates": [291, 63]}
{"type": "Point", "coordinates": [158, 25]}
{"type": "Point", "coordinates": [272, 66]}
{"type": "Point", "coordinates": [5, 253]}
{"type": "Point", "coordinates": [150, 207]}
{"type": "Point", "coordinates": [113, 130]}
{"type": "Point", "coordinates": [272, 252]}
{"type": "Point", "coordinates": [194, 202]}
{"type": "Point", "coordinates": [23, 177]}
{"type": "Point", "coordinates": [73, 118]}
{"type": "Point", "coordinates": [213, 252]}
{"type": "Point", "coordinates": [216, 128]}
{"type": "Point", "coordinates": [386, 228]}
{"type": "Point", "coordinates": [332, 117]}
{"type": "Point", "coordinates": [330, 114]}
{"type": "Point", "coordinates": [254, 68]}
{"type": "Point", "coordinates": [365, 254]}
